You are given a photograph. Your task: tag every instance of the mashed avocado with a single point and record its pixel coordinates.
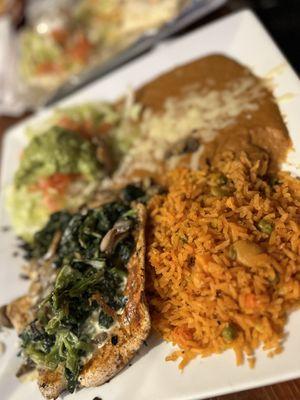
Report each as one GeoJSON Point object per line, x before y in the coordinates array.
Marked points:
{"type": "Point", "coordinates": [57, 151]}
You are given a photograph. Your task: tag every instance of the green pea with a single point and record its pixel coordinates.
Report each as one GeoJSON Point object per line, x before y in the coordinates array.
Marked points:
{"type": "Point", "coordinates": [229, 333]}
{"type": "Point", "coordinates": [265, 226]}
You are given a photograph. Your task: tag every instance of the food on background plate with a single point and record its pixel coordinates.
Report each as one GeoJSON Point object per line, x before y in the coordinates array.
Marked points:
{"type": "Point", "coordinates": [201, 147]}
{"type": "Point", "coordinates": [87, 33]}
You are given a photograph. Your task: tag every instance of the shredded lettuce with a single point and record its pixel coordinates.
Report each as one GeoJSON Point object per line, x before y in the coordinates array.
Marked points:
{"type": "Point", "coordinates": [37, 49]}
{"type": "Point", "coordinates": [27, 212]}
{"type": "Point", "coordinates": [94, 113]}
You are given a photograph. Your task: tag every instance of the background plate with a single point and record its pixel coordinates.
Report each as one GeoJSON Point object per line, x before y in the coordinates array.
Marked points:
{"type": "Point", "coordinates": [242, 37]}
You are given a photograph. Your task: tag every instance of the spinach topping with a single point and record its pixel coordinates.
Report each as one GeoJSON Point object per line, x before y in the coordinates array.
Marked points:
{"type": "Point", "coordinates": [87, 278]}
{"type": "Point", "coordinates": [105, 320]}
{"type": "Point", "coordinates": [132, 192]}
{"type": "Point", "coordinates": [81, 232]}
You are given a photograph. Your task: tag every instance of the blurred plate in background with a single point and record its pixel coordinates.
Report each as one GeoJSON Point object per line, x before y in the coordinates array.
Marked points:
{"type": "Point", "coordinates": [67, 44]}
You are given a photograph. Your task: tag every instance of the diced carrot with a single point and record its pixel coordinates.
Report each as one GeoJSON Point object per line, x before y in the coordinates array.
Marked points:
{"type": "Point", "coordinates": [250, 300]}
{"type": "Point", "coordinates": [255, 302]}
{"type": "Point", "coordinates": [182, 335]}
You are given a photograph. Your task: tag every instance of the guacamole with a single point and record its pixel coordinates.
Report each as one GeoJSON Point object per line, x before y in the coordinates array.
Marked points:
{"type": "Point", "coordinates": [57, 151]}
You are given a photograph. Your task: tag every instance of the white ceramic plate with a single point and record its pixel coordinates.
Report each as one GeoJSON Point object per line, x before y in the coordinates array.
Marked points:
{"type": "Point", "coordinates": [150, 377]}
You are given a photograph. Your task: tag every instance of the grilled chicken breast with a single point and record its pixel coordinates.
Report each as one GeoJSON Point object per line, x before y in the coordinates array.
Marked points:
{"type": "Point", "coordinates": [123, 340]}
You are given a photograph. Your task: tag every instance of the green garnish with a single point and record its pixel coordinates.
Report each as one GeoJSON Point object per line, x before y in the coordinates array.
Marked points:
{"type": "Point", "coordinates": [105, 320]}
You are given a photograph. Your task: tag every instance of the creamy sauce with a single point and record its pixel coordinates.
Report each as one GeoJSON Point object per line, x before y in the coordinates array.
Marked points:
{"type": "Point", "coordinates": [97, 333]}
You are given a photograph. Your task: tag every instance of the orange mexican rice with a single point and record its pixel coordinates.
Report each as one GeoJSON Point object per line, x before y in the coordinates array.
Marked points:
{"type": "Point", "coordinates": [224, 259]}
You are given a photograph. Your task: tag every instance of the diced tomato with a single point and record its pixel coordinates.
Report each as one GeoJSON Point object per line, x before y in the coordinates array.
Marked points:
{"type": "Point", "coordinates": [85, 128]}
{"type": "Point", "coordinates": [60, 35]}
{"type": "Point", "coordinates": [81, 49]}
{"type": "Point", "coordinates": [82, 128]}
{"type": "Point", "coordinates": [69, 123]}
{"type": "Point", "coordinates": [48, 67]}
{"type": "Point", "coordinates": [57, 181]}
{"type": "Point", "coordinates": [53, 189]}
{"type": "Point", "coordinates": [104, 128]}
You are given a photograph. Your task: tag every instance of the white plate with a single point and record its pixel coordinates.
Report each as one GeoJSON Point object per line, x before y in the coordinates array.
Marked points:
{"type": "Point", "coordinates": [150, 377]}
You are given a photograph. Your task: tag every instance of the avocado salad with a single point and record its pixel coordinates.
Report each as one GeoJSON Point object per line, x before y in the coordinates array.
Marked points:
{"type": "Point", "coordinates": [66, 158]}
{"type": "Point", "coordinates": [89, 291]}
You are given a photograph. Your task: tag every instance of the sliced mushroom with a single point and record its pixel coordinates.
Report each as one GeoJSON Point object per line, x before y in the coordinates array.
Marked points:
{"type": "Point", "coordinates": [118, 232]}
{"type": "Point", "coordinates": [27, 372]}
{"type": "Point", "coordinates": [24, 369]}
{"type": "Point", "coordinates": [53, 245]}
{"type": "Point", "coordinates": [4, 320]}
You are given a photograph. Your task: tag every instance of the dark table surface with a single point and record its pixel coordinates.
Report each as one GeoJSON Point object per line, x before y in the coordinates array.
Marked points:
{"type": "Point", "coordinates": [282, 19]}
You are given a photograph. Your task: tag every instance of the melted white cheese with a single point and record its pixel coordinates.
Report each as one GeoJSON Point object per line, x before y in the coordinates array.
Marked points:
{"type": "Point", "coordinates": [203, 113]}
